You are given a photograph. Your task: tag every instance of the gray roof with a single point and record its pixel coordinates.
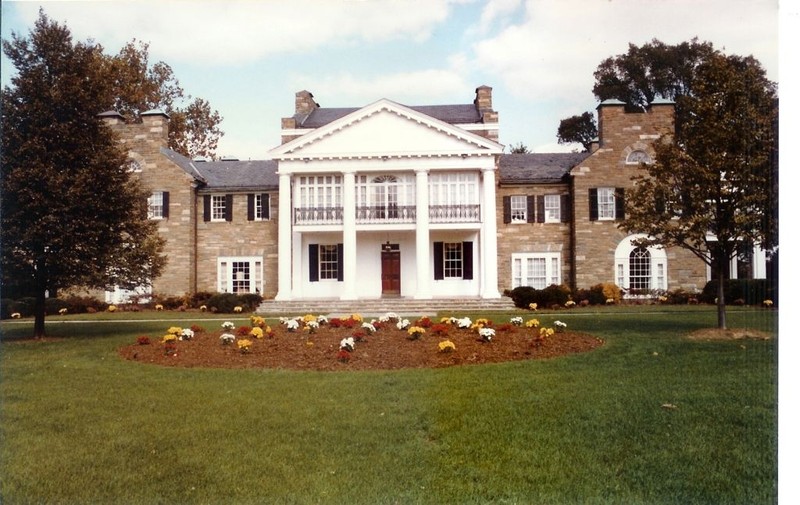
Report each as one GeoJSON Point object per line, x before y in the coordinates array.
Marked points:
{"type": "Point", "coordinates": [538, 167]}
{"type": "Point", "coordinates": [452, 114]}
{"type": "Point", "coordinates": [234, 175]}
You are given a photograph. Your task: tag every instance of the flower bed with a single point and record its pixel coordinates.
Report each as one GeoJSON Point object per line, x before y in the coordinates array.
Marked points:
{"type": "Point", "coordinates": [313, 343]}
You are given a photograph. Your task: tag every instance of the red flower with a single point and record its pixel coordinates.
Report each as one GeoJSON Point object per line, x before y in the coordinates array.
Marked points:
{"type": "Point", "coordinates": [143, 340]}
{"type": "Point", "coordinates": [343, 356]}
{"type": "Point", "coordinates": [243, 331]}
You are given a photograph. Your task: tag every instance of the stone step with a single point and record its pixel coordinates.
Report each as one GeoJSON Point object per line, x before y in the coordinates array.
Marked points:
{"type": "Point", "coordinates": [378, 307]}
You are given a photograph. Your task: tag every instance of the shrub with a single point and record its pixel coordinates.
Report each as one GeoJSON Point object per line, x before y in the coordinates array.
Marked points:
{"type": "Point", "coordinates": [223, 302]}
{"type": "Point", "coordinates": [170, 302]}
{"type": "Point", "coordinates": [744, 291]}
{"type": "Point", "coordinates": [554, 294]}
{"type": "Point", "coordinates": [199, 299]}
{"type": "Point", "coordinates": [250, 301]}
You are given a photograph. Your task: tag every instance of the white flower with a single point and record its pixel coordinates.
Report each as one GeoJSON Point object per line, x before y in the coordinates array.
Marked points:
{"type": "Point", "coordinates": [313, 324]}
{"type": "Point", "coordinates": [389, 317]}
{"type": "Point", "coordinates": [403, 324]}
{"type": "Point", "coordinates": [516, 321]}
{"type": "Point", "coordinates": [16, 315]}
{"type": "Point", "coordinates": [348, 344]}
{"type": "Point", "coordinates": [560, 324]}
{"type": "Point", "coordinates": [464, 322]}
{"type": "Point", "coordinates": [322, 319]}
{"type": "Point", "coordinates": [292, 324]}
{"type": "Point", "coordinates": [369, 327]}
{"type": "Point", "coordinates": [486, 333]}
{"type": "Point", "coordinates": [227, 325]}
{"type": "Point", "coordinates": [187, 334]}
{"type": "Point", "coordinates": [227, 338]}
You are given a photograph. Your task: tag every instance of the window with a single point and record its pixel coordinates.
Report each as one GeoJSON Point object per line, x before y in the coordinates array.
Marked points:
{"type": "Point", "coordinates": [323, 191]}
{"type": "Point", "coordinates": [452, 260]}
{"type": "Point", "coordinates": [158, 205]}
{"type": "Point", "coordinates": [638, 156]}
{"type": "Point", "coordinates": [640, 268]}
{"type": "Point", "coordinates": [606, 204]}
{"type": "Point", "coordinates": [239, 275]}
{"type": "Point", "coordinates": [456, 188]}
{"type": "Point", "coordinates": [537, 270]}
{"type": "Point", "coordinates": [258, 207]}
{"type": "Point", "coordinates": [326, 262]}
{"type": "Point", "coordinates": [519, 209]}
{"type": "Point", "coordinates": [552, 208]}
{"type": "Point", "coordinates": [217, 207]}
{"type": "Point", "coordinates": [134, 166]}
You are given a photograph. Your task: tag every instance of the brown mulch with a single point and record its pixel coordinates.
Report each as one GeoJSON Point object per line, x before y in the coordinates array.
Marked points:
{"type": "Point", "coordinates": [387, 349]}
{"type": "Point", "coordinates": [728, 334]}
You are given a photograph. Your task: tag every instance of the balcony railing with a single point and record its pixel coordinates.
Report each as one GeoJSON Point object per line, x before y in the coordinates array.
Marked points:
{"type": "Point", "coordinates": [386, 214]}
{"type": "Point", "coordinates": [318, 215]}
{"type": "Point", "coordinates": [455, 213]}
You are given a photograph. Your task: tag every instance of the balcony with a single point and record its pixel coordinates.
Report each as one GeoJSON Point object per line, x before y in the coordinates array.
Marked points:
{"type": "Point", "coordinates": [388, 214]}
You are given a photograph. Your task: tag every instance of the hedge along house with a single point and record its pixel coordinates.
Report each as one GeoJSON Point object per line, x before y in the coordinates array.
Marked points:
{"type": "Point", "coordinates": [388, 200]}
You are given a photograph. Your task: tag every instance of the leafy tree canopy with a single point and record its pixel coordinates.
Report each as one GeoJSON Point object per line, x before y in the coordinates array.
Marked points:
{"type": "Point", "coordinates": [581, 129]}
{"type": "Point", "coordinates": [518, 148]}
{"type": "Point", "coordinates": [72, 214]}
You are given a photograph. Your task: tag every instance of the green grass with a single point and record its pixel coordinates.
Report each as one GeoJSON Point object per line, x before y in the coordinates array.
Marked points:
{"type": "Point", "coordinates": [80, 425]}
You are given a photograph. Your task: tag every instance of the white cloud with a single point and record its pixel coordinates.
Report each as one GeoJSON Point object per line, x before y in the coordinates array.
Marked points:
{"type": "Point", "coordinates": [238, 32]}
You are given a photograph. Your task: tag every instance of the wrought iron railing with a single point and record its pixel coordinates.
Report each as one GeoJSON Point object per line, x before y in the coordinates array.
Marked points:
{"type": "Point", "coordinates": [455, 213]}
{"type": "Point", "coordinates": [378, 214]}
{"type": "Point", "coordinates": [318, 215]}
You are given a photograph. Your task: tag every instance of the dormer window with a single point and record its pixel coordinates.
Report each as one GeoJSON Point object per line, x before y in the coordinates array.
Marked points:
{"type": "Point", "coordinates": [638, 156]}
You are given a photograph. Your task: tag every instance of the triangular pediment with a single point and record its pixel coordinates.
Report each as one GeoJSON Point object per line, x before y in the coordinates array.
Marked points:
{"type": "Point", "coordinates": [382, 129]}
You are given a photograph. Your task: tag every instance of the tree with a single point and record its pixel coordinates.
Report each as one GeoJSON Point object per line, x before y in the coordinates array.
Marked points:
{"type": "Point", "coordinates": [72, 214]}
{"type": "Point", "coordinates": [581, 129]}
{"type": "Point", "coordinates": [518, 148]}
{"type": "Point", "coordinates": [139, 87]}
{"type": "Point", "coordinates": [710, 190]}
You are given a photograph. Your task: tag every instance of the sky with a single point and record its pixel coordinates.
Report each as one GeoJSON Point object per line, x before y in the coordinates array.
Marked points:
{"type": "Point", "coordinates": [249, 58]}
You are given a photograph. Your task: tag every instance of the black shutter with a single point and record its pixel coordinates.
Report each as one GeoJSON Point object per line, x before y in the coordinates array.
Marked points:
{"type": "Point", "coordinates": [251, 206]}
{"type": "Point", "coordinates": [228, 207]}
{"type": "Point", "coordinates": [566, 209]}
{"type": "Point", "coordinates": [165, 204]}
{"type": "Point", "coordinates": [340, 262]}
{"type": "Point", "coordinates": [438, 260]}
{"type": "Point", "coordinates": [206, 207]}
{"type": "Point", "coordinates": [593, 211]}
{"type": "Point", "coordinates": [313, 262]}
{"type": "Point", "coordinates": [539, 210]}
{"type": "Point", "coordinates": [506, 209]}
{"type": "Point", "coordinates": [660, 202]}
{"type": "Point", "coordinates": [467, 260]}
{"type": "Point", "coordinates": [264, 205]}
{"type": "Point", "coordinates": [619, 201]}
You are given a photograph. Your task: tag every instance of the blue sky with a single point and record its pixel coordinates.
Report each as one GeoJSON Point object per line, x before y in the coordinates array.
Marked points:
{"type": "Point", "coordinates": [248, 58]}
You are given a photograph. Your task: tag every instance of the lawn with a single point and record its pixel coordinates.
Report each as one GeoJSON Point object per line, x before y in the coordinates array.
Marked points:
{"type": "Point", "coordinates": [651, 417]}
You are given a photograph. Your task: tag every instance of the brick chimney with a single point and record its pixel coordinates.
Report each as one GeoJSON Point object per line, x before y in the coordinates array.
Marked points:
{"type": "Point", "coordinates": [304, 103]}
{"type": "Point", "coordinates": [483, 99]}
{"type": "Point", "coordinates": [156, 123]}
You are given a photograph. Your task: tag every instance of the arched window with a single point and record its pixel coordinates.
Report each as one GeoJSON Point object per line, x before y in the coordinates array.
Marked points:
{"type": "Point", "coordinates": [638, 156]}
{"type": "Point", "coordinates": [639, 268]}
{"type": "Point", "coordinates": [384, 196]}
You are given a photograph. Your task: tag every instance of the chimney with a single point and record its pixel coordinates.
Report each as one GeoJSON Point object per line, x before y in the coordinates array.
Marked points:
{"type": "Point", "coordinates": [607, 111]}
{"type": "Point", "coordinates": [483, 99]}
{"type": "Point", "coordinates": [304, 103]}
{"type": "Point", "coordinates": [156, 123]}
{"type": "Point", "coordinates": [111, 117]}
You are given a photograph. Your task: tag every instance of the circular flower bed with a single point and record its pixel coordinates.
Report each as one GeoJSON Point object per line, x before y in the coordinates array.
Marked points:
{"type": "Point", "coordinates": [314, 343]}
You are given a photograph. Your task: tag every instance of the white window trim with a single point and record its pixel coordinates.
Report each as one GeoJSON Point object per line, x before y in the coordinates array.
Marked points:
{"type": "Point", "coordinates": [155, 200]}
{"type": "Point", "coordinates": [607, 192]}
{"type": "Point", "coordinates": [637, 153]}
{"type": "Point", "coordinates": [519, 212]}
{"type": "Point", "coordinates": [557, 207]}
{"type": "Point", "coordinates": [215, 198]}
{"type": "Point", "coordinates": [225, 274]}
{"type": "Point", "coordinates": [553, 268]}
{"type": "Point", "coordinates": [659, 271]}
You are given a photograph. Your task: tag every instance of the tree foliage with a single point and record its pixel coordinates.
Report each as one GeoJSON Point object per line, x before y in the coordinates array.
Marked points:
{"type": "Point", "coordinates": [518, 148]}
{"type": "Point", "coordinates": [72, 215]}
{"type": "Point", "coordinates": [139, 86]}
{"type": "Point", "coordinates": [581, 129]}
{"type": "Point", "coordinates": [710, 189]}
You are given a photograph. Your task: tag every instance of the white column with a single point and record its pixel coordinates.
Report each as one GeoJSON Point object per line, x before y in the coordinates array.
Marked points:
{"type": "Point", "coordinates": [489, 237]}
{"type": "Point", "coordinates": [423, 237]}
{"type": "Point", "coordinates": [350, 288]}
{"type": "Point", "coordinates": [284, 238]}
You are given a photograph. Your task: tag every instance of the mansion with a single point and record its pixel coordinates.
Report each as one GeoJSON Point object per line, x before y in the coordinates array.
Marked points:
{"type": "Point", "coordinates": [391, 200]}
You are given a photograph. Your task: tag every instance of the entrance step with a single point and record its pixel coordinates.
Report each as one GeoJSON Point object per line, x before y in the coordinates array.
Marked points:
{"type": "Point", "coordinates": [379, 307]}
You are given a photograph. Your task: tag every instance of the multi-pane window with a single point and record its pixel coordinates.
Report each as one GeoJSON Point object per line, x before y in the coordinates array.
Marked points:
{"type": "Point", "coordinates": [218, 207]}
{"type": "Point", "coordinates": [455, 188]}
{"type": "Point", "coordinates": [155, 205]}
{"type": "Point", "coordinates": [552, 208]}
{"type": "Point", "coordinates": [453, 260]}
{"type": "Point", "coordinates": [328, 261]}
{"type": "Point", "coordinates": [639, 269]}
{"type": "Point", "coordinates": [239, 275]}
{"type": "Point", "coordinates": [260, 207]}
{"type": "Point", "coordinates": [322, 191]}
{"type": "Point", "coordinates": [537, 270]}
{"type": "Point", "coordinates": [605, 203]}
{"type": "Point", "coordinates": [519, 208]}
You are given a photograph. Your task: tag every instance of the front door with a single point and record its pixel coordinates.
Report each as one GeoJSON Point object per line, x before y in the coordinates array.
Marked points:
{"type": "Point", "coordinates": [390, 269]}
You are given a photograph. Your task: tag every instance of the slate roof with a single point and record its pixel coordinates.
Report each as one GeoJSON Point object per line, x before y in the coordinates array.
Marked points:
{"type": "Point", "coordinates": [235, 175]}
{"type": "Point", "coordinates": [539, 168]}
{"type": "Point", "coordinates": [452, 114]}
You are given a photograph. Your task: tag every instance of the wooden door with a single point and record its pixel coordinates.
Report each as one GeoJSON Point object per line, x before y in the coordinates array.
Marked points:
{"type": "Point", "coordinates": [390, 271]}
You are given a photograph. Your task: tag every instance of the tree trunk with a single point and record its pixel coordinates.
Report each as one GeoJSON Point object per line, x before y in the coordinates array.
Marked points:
{"type": "Point", "coordinates": [39, 304]}
{"type": "Point", "coordinates": [722, 318]}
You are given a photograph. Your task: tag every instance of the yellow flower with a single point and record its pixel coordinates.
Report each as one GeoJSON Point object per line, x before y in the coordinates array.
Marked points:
{"type": "Point", "coordinates": [446, 346]}
{"type": "Point", "coordinates": [416, 331]}
{"type": "Point", "coordinates": [159, 307]}
{"type": "Point", "coordinates": [257, 321]}
{"type": "Point", "coordinates": [112, 308]}
{"type": "Point", "coordinates": [309, 317]}
{"type": "Point", "coordinates": [257, 332]}
{"type": "Point", "coordinates": [546, 332]}
{"type": "Point", "coordinates": [237, 309]}
{"type": "Point", "coordinates": [175, 330]}
{"type": "Point", "coordinates": [532, 323]}
{"type": "Point", "coordinates": [169, 338]}
{"type": "Point", "coordinates": [203, 308]}
{"type": "Point", "coordinates": [244, 345]}
{"type": "Point", "coordinates": [532, 306]}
